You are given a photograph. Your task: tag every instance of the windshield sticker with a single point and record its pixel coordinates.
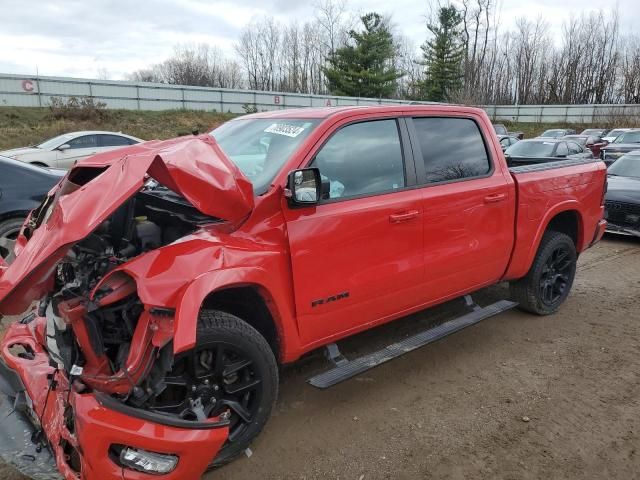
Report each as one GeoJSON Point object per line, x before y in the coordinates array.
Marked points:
{"type": "Point", "coordinates": [284, 129]}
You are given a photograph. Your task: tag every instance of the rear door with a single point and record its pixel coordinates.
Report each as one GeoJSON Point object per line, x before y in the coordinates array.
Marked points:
{"type": "Point", "coordinates": [357, 256]}
{"type": "Point", "coordinates": [79, 148]}
{"type": "Point", "coordinates": [468, 206]}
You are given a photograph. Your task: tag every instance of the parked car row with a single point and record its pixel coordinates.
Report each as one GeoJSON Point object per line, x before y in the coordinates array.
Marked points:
{"type": "Point", "coordinates": [618, 148]}
{"type": "Point", "coordinates": [626, 142]}
{"type": "Point", "coordinates": [609, 145]}
{"type": "Point", "coordinates": [28, 173]}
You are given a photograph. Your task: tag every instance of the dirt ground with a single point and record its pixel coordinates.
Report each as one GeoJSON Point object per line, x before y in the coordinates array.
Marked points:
{"type": "Point", "coordinates": [514, 397]}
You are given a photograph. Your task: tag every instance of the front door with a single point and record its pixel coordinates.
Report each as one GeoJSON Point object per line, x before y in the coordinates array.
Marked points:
{"type": "Point", "coordinates": [79, 148]}
{"type": "Point", "coordinates": [357, 256]}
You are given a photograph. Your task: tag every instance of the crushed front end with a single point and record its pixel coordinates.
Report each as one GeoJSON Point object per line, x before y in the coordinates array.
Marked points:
{"type": "Point", "coordinates": [50, 419]}
{"type": "Point", "coordinates": [85, 364]}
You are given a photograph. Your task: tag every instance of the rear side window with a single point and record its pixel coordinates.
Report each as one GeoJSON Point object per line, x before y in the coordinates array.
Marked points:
{"type": "Point", "coordinates": [362, 159]}
{"type": "Point", "coordinates": [574, 148]}
{"type": "Point", "coordinates": [114, 141]}
{"type": "Point", "coordinates": [452, 148]}
{"type": "Point", "coordinates": [86, 141]}
{"type": "Point", "coordinates": [562, 150]}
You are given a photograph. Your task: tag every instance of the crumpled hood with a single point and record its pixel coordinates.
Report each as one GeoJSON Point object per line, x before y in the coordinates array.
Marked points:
{"type": "Point", "coordinates": [15, 152]}
{"type": "Point", "coordinates": [193, 167]}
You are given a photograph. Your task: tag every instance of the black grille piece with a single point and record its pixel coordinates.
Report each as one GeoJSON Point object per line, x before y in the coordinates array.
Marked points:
{"type": "Point", "coordinates": [623, 214]}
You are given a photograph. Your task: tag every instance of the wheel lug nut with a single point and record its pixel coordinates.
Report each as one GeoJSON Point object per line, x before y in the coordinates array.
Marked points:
{"type": "Point", "coordinates": [193, 388]}
{"type": "Point", "coordinates": [206, 382]}
{"type": "Point", "coordinates": [216, 388]}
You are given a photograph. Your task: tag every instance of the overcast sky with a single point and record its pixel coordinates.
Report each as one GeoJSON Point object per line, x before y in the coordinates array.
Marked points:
{"type": "Point", "coordinates": [81, 38]}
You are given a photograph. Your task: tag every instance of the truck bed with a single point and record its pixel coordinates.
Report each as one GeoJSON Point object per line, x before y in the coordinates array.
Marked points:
{"type": "Point", "coordinates": [574, 189]}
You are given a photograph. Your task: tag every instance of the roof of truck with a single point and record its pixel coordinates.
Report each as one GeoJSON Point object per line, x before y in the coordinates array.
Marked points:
{"type": "Point", "coordinates": [324, 112]}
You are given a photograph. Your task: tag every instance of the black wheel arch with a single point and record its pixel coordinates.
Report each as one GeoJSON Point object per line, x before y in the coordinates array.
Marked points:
{"type": "Point", "coordinates": [251, 304]}
{"type": "Point", "coordinates": [568, 222]}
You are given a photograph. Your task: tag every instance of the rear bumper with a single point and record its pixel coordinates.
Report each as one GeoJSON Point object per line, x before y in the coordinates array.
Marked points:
{"type": "Point", "coordinates": [78, 430]}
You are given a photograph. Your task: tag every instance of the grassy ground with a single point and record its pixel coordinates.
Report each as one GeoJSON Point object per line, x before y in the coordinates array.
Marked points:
{"type": "Point", "coordinates": [21, 126]}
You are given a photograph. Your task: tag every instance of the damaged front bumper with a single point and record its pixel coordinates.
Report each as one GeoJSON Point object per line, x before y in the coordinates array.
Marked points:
{"type": "Point", "coordinates": [48, 430]}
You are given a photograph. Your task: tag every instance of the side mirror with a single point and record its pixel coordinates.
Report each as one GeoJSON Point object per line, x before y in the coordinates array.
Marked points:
{"type": "Point", "coordinates": [64, 147]}
{"type": "Point", "coordinates": [304, 187]}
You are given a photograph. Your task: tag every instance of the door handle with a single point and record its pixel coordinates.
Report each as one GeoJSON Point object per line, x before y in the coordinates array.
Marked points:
{"type": "Point", "coordinates": [404, 216]}
{"type": "Point", "coordinates": [496, 197]}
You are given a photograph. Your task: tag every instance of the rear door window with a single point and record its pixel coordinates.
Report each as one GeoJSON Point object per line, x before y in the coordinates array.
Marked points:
{"type": "Point", "coordinates": [114, 141]}
{"type": "Point", "coordinates": [452, 149]}
{"type": "Point", "coordinates": [86, 141]}
{"type": "Point", "coordinates": [574, 148]}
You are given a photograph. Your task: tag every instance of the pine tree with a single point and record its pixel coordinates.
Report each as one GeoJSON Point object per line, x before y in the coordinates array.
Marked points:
{"type": "Point", "coordinates": [442, 57]}
{"type": "Point", "coordinates": [365, 68]}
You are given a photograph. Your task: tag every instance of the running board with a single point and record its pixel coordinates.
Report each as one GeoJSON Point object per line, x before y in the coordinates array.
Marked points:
{"type": "Point", "coordinates": [346, 369]}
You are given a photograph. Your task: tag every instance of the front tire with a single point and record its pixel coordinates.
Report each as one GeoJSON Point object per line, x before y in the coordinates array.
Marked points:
{"type": "Point", "coordinates": [231, 369]}
{"type": "Point", "coordinates": [550, 278]}
{"type": "Point", "coordinates": [9, 230]}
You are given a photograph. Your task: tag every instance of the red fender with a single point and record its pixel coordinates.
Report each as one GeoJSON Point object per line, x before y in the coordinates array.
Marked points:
{"type": "Point", "coordinates": [525, 251]}
{"type": "Point", "coordinates": [191, 300]}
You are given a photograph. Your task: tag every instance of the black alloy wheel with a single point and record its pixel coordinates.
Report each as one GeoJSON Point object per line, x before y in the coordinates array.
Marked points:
{"type": "Point", "coordinates": [231, 372]}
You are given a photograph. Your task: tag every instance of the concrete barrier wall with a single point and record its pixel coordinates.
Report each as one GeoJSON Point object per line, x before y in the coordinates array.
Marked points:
{"type": "Point", "coordinates": [26, 91]}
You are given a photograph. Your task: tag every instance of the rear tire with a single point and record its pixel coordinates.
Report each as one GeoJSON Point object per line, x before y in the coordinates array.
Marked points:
{"type": "Point", "coordinates": [550, 278]}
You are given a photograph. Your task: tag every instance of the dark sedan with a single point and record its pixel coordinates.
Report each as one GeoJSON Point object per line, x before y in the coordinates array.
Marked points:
{"type": "Point", "coordinates": [557, 132]}
{"type": "Point", "coordinates": [22, 188]}
{"type": "Point", "coordinates": [542, 149]}
{"type": "Point", "coordinates": [591, 142]}
{"type": "Point", "coordinates": [625, 143]}
{"type": "Point", "coordinates": [622, 201]}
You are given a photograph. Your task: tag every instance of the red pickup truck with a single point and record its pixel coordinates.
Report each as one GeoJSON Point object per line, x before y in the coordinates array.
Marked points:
{"type": "Point", "coordinates": [158, 287]}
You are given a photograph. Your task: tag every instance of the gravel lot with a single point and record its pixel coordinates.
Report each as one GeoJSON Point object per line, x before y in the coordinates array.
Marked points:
{"type": "Point", "coordinates": [517, 396]}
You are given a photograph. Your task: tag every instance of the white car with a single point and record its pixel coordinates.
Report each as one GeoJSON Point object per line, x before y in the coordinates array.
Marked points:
{"type": "Point", "coordinates": [64, 150]}
{"type": "Point", "coordinates": [613, 134]}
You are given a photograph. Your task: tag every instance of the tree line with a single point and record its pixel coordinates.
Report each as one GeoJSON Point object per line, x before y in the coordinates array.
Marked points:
{"type": "Point", "coordinates": [466, 57]}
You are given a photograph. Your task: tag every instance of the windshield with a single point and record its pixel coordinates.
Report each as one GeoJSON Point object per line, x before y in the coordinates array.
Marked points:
{"type": "Point", "coordinates": [628, 137]}
{"type": "Point", "coordinates": [553, 133]}
{"type": "Point", "coordinates": [614, 133]}
{"type": "Point", "coordinates": [526, 148]}
{"type": "Point", "coordinates": [260, 147]}
{"type": "Point", "coordinates": [626, 166]}
{"type": "Point", "coordinates": [55, 142]}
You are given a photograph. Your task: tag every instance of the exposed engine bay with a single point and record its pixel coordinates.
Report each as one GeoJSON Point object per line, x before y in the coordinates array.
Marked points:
{"type": "Point", "coordinates": [110, 315]}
